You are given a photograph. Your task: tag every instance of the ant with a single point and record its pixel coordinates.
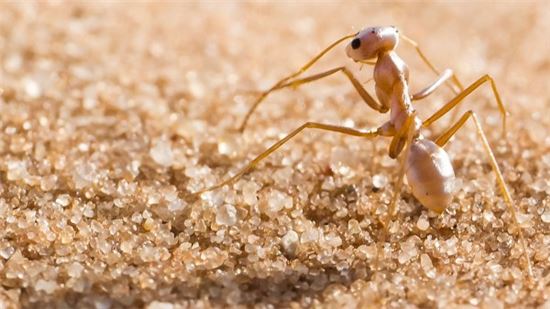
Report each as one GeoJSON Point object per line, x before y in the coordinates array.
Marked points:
{"type": "Point", "coordinates": [425, 163]}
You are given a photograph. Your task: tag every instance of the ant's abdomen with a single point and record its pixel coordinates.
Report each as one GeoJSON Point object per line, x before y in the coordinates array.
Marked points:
{"type": "Point", "coordinates": [430, 175]}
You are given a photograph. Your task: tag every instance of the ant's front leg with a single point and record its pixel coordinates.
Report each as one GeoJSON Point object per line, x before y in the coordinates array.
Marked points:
{"type": "Point", "coordinates": [283, 81]}
{"type": "Point", "coordinates": [367, 98]}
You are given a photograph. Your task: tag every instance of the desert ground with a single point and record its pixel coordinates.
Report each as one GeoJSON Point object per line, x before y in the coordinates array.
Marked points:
{"type": "Point", "coordinates": [113, 114]}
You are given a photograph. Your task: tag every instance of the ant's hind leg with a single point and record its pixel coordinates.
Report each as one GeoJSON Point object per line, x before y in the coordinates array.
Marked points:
{"type": "Point", "coordinates": [446, 136]}
{"type": "Point", "coordinates": [308, 125]}
{"type": "Point", "coordinates": [460, 97]}
{"type": "Point", "coordinates": [277, 85]}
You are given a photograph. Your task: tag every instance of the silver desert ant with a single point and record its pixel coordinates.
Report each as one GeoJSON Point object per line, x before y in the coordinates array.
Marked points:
{"type": "Point", "coordinates": [427, 166]}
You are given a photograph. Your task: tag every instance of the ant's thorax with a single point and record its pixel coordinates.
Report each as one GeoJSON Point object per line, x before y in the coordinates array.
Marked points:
{"type": "Point", "coordinates": [391, 76]}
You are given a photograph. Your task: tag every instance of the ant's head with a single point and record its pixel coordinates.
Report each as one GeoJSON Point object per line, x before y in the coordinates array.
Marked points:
{"type": "Point", "coordinates": [369, 42]}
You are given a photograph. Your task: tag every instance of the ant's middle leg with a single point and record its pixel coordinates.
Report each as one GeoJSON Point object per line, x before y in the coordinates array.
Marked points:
{"type": "Point", "coordinates": [308, 125]}
{"type": "Point", "coordinates": [406, 133]}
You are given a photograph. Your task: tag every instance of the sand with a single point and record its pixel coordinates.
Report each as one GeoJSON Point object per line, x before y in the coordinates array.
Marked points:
{"type": "Point", "coordinates": [111, 115]}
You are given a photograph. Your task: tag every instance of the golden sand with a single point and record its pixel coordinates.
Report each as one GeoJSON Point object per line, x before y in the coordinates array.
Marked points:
{"type": "Point", "coordinates": [112, 114]}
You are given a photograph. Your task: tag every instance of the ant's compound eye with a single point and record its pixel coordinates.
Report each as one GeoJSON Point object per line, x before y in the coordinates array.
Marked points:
{"type": "Point", "coordinates": [355, 43]}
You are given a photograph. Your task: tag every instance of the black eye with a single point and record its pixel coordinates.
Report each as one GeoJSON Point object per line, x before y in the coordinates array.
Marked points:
{"type": "Point", "coordinates": [355, 43]}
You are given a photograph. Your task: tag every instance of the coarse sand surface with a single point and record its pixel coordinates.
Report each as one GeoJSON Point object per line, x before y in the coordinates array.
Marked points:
{"type": "Point", "coordinates": [112, 114]}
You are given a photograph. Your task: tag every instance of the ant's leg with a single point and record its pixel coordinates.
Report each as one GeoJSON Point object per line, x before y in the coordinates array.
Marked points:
{"type": "Point", "coordinates": [408, 133]}
{"type": "Point", "coordinates": [456, 100]}
{"type": "Point", "coordinates": [432, 67]}
{"type": "Point", "coordinates": [307, 125]}
{"type": "Point", "coordinates": [367, 98]}
{"type": "Point", "coordinates": [431, 88]}
{"type": "Point", "coordinates": [264, 94]}
{"type": "Point", "coordinates": [446, 136]}
{"type": "Point", "coordinates": [367, 62]}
